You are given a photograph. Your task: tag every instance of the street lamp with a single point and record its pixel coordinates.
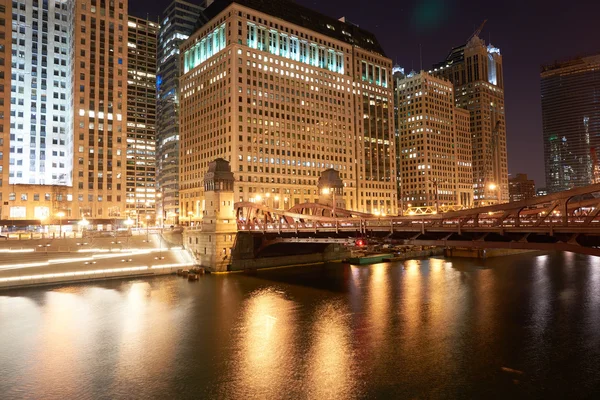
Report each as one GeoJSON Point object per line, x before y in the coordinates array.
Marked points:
{"type": "Point", "coordinates": [42, 218]}
{"type": "Point", "coordinates": [190, 213]}
{"type": "Point", "coordinates": [326, 192]}
{"type": "Point", "coordinates": [147, 228]}
{"type": "Point", "coordinates": [492, 186]}
{"type": "Point", "coordinates": [83, 224]}
{"type": "Point", "coordinates": [128, 222]}
{"type": "Point", "coordinates": [435, 185]}
{"type": "Point", "coordinates": [60, 216]}
{"type": "Point", "coordinates": [163, 216]}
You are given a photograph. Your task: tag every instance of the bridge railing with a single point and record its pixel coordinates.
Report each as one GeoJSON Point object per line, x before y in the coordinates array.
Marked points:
{"type": "Point", "coordinates": [424, 223]}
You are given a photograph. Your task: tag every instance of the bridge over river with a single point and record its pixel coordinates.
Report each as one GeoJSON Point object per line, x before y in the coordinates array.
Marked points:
{"type": "Point", "coordinates": [567, 221]}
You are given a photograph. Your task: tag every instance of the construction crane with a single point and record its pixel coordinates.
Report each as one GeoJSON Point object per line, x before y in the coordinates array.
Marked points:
{"type": "Point", "coordinates": [477, 31]}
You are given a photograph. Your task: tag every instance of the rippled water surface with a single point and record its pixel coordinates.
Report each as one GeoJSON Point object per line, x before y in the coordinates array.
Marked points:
{"type": "Point", "coordinates": [523, 326]}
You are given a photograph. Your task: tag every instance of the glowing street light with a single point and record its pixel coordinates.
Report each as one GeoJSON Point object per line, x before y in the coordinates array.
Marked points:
{"type": "Point", "coordinates": [60, 216]}
{"type": "Point", "coordinates": [492, 186]}
{"type": "Point", "coordinates": [83, 224]}
{"type": "Point", "coordinates": [42, 219]}
{"type": "Point", "coordinates": [128, 222]}
{"type": "Point", "coordinates": [326, 191]}
{"type": "Point", "coordinates": [190, 213]}
{"type": "Point", "coordinates": [147, 228]}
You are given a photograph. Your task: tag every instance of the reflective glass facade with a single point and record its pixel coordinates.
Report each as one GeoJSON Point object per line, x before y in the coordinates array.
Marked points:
{"type": "Point", "coordinates": [571, 122]}
{"type": "Point", "coordinates": [176, 24]}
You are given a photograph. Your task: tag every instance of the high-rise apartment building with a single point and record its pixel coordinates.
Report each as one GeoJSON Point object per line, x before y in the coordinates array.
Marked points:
{"type": "Point", "coordinates": [36, 137]}
{"type": "Point", "coordinates": [100, 109]}
{"type": "Point", "coordinates": [41, 133]}
{"type": "Point", "coordinates": [571, 122]}
{"type": "Point", "coordinates": [475, 70]}
{"type": "Point", "coordinates": [141, 117]}
{"type": "Point", "coordinates": [5, 67]}
{"type": "Point", "coordinates": [74, 144]}
{"type": "Point", "coordinates": [434, 164]}
{"type": "Point", "coordinates": [521, 188]}
{"type": "Point", "coordinates": [283, 93]}
{"type": "Point", "coordinates": [177, 23]}
{"type": "Point", "coordinates": [397, 77]}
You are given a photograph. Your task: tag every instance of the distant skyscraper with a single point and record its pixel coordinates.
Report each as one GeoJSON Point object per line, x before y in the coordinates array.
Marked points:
{"type": "Point", "coordinates": [476, 72]}
{"type": "Point", "coordinates": [141, 116]}
{"type": "Point", "coordinates": [177, 23]}
{"type": "Point", "coordinates": [434, 144]}
{"type": "Point", "coordinates": [571, 122]}
{"type": "Point", "coordinates": [521, 188]}
{"type": "Point", "coordinates": [283, 93]}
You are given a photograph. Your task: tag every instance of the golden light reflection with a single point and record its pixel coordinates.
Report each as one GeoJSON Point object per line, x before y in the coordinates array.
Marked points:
{"type": "Point", "coordinates": [66, 321]}
{"type": "Point", "coordinates": [148, 341]}
{"type": "Point", "coordinates": [330, 362]}
{"type": "Point", "coordinates": [268, 358]}
{"type": "Point", "coordinates": [441, 310]}
{"type": "Point", "coordinates": [378, 303]}
{"type": "Point", "coordinates": [412, 302]}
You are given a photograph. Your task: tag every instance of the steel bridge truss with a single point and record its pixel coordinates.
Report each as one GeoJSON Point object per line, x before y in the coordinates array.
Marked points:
{"type": "Point", "coordinates": [568, 221]}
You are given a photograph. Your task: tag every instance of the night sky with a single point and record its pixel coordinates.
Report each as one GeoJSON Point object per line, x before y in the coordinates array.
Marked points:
{"type": "Point", "coordinates": [528, 33]}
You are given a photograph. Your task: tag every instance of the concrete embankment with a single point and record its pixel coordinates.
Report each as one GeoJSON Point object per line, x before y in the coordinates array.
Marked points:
{"type": "Point", "coordinates": [32, 263]}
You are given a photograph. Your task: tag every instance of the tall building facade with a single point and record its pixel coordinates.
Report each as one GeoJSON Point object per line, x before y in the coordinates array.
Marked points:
{"type": "Point", "coordinates": [5, 73]}
{"type": "Point", "coordinates": [434, 164]}
{"type": "Point", "coordinates": [100, 109]}
{"type": "Point", "coordinates": [476, 72]}
{"type": "Point", "coordinates": [67, 105]}
{"type": "Point", "coordinates": [41, 122]}
{"type": "Point", "coordinates": [283, 93]}
{"type": "Point", "coordinates": [571, 122]}
{"type": "Point", "coordinates": [521, 188]}
{"type": "Point", "coordinates": [177, 23]}
{"type": "Point", "coordinates": [141, 118]}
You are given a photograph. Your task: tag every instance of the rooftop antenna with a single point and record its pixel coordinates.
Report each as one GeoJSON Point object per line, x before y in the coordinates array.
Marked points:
{"type": "Point", "coordinates": [420, 57]}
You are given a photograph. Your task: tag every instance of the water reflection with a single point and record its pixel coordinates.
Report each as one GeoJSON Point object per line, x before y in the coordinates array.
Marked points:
{"type": "Point", "coordinates": [379, 298]}
{"type": "Point", "coordinates": [268, 345]}
{"type": "Point", "coordinates": [421, 329]}
{"type": "Point", "coordinates": [331, 372]}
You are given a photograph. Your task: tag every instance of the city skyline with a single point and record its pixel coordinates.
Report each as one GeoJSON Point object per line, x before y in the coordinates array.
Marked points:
{"type": "Point", "coordinates": [527, 39]}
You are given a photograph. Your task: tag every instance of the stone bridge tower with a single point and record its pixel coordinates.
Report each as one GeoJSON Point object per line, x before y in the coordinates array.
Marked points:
{"type": "Point", "coordinates": [211, 241]}
{"type": "Point", "coordinates": [331, 189]}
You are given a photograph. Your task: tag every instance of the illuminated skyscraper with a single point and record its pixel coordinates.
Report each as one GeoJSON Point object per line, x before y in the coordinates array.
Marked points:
{"type": "Point", "coordinates": [41, 131]}
{"type": "Point", "coordinates": [100, 109]}
{"type": "Point", "coordinates": [141, 116]}
{"type": "Point", "coordinates": [283, 93]}
{"type": "Point", "coordinates": [571, 122]}
{"type": "Point", "coordinates": [434, 162]}
{"type": "Point", "coordinates": [476, 72]}
{"type": "Point", "coordinates": [176, 24]}
{"type": "Point", "coordinates": [5, 67]}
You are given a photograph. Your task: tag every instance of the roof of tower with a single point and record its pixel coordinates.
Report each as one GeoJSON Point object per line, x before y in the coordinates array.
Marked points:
{"type": "Point", "coordinates": [299, 15]}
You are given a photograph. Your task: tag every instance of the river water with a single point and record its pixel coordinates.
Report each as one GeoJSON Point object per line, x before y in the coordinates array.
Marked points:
{"type": "Point", "coordinates": [521, 327]}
